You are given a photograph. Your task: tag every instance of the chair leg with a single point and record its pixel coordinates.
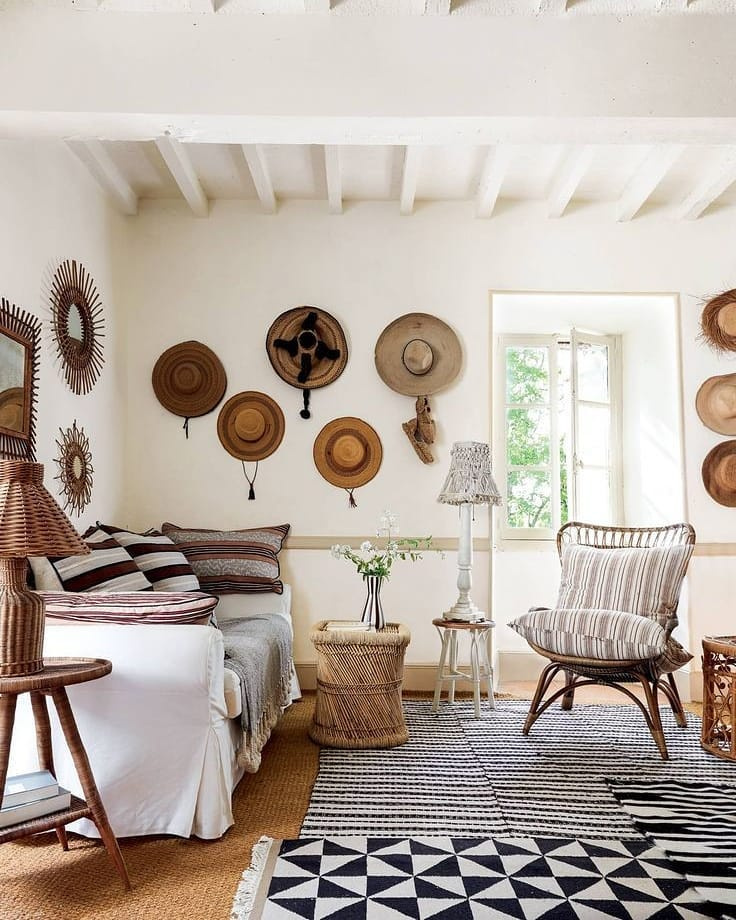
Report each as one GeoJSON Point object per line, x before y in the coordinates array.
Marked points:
{"type": "Point", "coordinates": [569, 698]}
{"type": "Point", "coordinates": [545, 678]}
{"type": "Point", "coordinates": [675, 702]}
{"type": "Point", "coordinates": [654, 722]}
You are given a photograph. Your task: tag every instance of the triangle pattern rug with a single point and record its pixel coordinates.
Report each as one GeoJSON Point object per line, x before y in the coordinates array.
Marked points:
{"type": "Point", "coordinates": [364, 878]}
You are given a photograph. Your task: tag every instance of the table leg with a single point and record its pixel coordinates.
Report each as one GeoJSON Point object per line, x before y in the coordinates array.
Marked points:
{"type": "Point", "coordinates": [453, 665]}
{"type": "Point", "coordinates": [7, 720]}
{"type": "Point", "coordinates": [87, 780]}
{"type": "Point", "coordinates": [486, 646]}
{"type": "Point", "coordinates": [440, 670]}
{"type": "Point", "coordinates": [475, 671]}
{"type": "Point", "coordinates": [43, 746]}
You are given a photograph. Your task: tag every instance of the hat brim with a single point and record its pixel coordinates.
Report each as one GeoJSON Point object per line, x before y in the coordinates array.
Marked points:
{"type": "Point", "coordinates": [359, 436]}
{"type": "Point", "coordinates": [189, 379]}
{"type": "Point", "coordinates": [328, 330]}
{"type": "Point", "coordinates": [704, 404]}
{"type": "Point", "coordinates": [273, 426]}
{"type": "Point", "coordinates": [718, 491]}
{"type": "Point", "coordinates": [447, 354]}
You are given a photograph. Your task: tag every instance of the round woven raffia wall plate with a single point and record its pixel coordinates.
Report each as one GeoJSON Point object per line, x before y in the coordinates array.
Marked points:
{"type": "Point", "coordinates": [250, 426]}
{"type": "Point", "coordinates": [348, 453]}
{"type": "Point", "coordinates": [189, 380]}
{"type": "Point", "coordinates": [718, 321]}
{"type": "Point", "coordinates": [78, 323]}
{"type": "Point", "coordinates": [75, 468]}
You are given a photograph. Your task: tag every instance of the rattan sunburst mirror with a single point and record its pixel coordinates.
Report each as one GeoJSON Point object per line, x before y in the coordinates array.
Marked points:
{"type": "Point", "coordinates": [78, 323]}
{"type": "Point", "coordinates": [75, 468]}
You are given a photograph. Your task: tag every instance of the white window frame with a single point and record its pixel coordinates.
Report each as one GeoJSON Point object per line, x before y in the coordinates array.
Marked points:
{"type": "Point", "coordinates": [553, 343]}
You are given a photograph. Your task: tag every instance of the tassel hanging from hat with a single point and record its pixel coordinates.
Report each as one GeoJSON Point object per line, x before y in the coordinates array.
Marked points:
{"type": "Point", "coordinates": [305, 413]}
{"type": "Point", "coordinates": [185, 426]}
{"type": "Point", "coordinates": [251, 482]}
{"type": "Point", "coordinates": [351, 498]}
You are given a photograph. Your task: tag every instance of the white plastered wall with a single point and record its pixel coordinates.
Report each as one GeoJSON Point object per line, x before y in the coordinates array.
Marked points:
{"type": "Point", "coordinates": [52, 210]}
{"type": "Point", "coordinates": [223, 280]}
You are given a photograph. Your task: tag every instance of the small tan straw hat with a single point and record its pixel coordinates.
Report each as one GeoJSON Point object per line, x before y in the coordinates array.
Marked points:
{"type": "Point", "coordinates": [716, 403]}
{"type": "Point", "coordinates": [348, 453]}
{"type": "Point", "coordinates": [418, 354]}
{"type": "Point", "coordinates": [719, 473]}
{"type": "Point", "coordinates": [250, 426]}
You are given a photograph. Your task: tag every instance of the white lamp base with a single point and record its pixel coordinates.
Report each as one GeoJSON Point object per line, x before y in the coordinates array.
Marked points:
{"type": "Point", "coordinates": [469, 614]}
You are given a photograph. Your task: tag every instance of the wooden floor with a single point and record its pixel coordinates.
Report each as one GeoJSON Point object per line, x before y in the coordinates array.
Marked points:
{"type": "Point", "coordinates": [176, 879]}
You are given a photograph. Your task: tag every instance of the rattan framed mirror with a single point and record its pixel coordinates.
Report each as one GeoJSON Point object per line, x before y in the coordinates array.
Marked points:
{"type": "Point", "coordinates": [78, 324]}
{"type": "Point", "coordinates": [75, 468]}
{"type": "Point", "coordinates": [20, 336]}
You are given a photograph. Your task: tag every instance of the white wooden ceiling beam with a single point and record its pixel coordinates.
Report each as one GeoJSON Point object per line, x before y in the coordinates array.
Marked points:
{"type": "Point", "coordinates": [437, 7]}
{"type": "Point", "coordinates": [645, 179]}
{"type": "Point", "coordinates": [494, 171]}
{"type": "Point", "coordinates": [101, 165]}
{"type": "Point", "coordinates": [180, 166]}
{"type": "Point", "coordinates": [255, 157]}
{"type": "Point", "coordinates": [333, 176]}
{"type": "Point", "coordinates": [409, 179]}
{"type": "Point", "coordinates": [710, 188]}
{"type": "Point", "coordinates": [570, 174]}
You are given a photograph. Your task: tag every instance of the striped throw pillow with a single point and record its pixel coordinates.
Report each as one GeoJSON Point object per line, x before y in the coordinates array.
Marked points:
{"type": "Point", "coordinates": [190, 607]}
{"type": "Point", "coordinates": [161, 562]}
{"type": "Point", "coordinates": [609, 635]}
{"type": "Point", "coordinates": [642, 581]}
{"type": "Point", "coordinates": [107, 568]}
{"type": "Point", "coordinates": [233, 561]}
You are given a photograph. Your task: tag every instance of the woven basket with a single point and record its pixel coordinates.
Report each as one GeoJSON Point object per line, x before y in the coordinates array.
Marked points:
{"type": "Point", "coordinates": [359, 678]}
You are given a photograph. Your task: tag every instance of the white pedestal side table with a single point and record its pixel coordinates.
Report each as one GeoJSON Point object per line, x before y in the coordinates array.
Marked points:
{"type": "Point", "coordinates": [481, 669]}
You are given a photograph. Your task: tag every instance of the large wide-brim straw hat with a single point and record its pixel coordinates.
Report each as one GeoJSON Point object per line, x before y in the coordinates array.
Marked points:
{"type": "Point", "coordinates": [418, 354]}
{"type": "Point", "coordinates": [250, 426]}
{"type": "Point", "coordinates": [719, 473]}
{"type": "Point", "coordinates": [189, 379]}
{"type": "Point", "coordinates": [716, 403]}
{"type": "Point", "coordinates": [348, 452]}
{"type": "Point", "coordinates": [289, 327]}
{"type": "Point", "coordinates": [718, 321]}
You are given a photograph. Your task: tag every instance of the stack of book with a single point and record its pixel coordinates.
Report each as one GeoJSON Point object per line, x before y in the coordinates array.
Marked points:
{"type": "Point", "coordinates": [348, 626]}
{"type": "Point", "coordinates": [31, 795]}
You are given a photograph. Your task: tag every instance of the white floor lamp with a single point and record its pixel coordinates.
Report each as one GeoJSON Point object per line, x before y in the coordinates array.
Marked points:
{"type": "Point", "coordinates": [469, 482]}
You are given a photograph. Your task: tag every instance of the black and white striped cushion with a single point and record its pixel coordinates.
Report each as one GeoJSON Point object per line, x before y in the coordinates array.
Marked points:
{"type": "Point", "coordinates": [161, 562]}
{"type": "Point", "coordinates": [189, 607]}
{"type": "Point", "coordinates": [107, 568]}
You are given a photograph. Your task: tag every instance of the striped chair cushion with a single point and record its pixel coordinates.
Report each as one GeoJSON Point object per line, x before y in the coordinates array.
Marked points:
{"type": "Point", "coordinates": [233, 561]}
{"type": "Point", "coordinates": [107, 568]}
{"type": "Point", "coordinates": [610, 635]}
{"type": "Point", "coordinates": [642, 581]}
{"type": "Point", "coordinates": [190, 607]}
{"type": "Point", "coordinates": [161, 562]}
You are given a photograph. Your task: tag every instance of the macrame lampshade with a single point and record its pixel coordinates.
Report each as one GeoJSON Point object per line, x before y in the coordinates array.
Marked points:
{"type": "Point", "coordinates": [469, 482]}
{"type": "Point", "coordinates": [31, 524]}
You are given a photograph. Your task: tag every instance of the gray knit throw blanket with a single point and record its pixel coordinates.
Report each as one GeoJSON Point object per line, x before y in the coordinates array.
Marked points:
{"type": "Point", "coordinates": [258, 649]}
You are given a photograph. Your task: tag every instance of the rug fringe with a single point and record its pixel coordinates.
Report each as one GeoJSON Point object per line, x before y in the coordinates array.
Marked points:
{"type": "Point", "coordinates": [248, 885]}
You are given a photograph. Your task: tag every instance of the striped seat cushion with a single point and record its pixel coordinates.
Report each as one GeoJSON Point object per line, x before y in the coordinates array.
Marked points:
{"type": "Point", "coordinates": [107, 568]}
{"type": "Point", "coordinates": [161, 562]}
{"type": "Point", "coordinates": [642, 581]}
{"type": "Point", "coordinates": [610, 635]}
{"type": "Point", "coordinates": [190, 607]}
{"type": "Point", "coordinates": [233, 561]}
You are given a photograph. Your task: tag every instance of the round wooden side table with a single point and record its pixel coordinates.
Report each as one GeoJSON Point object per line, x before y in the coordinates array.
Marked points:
{"type": "Point", "coordinates": [57, 674]}
{"type": "Point", "coordinates": [481, 668]}
{"type": "Point", "coordinates": [718, 735]}
{"type": "Point", "coordinates": [359, 676]}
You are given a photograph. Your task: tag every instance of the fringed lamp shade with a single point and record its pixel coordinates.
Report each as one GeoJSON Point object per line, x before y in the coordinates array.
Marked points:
{"type": "Point", "coordinates": [31, 524]}
{"type": "Point", "coordinates": [470, 478]}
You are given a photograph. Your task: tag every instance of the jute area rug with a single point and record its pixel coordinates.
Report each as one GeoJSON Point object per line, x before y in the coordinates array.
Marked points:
{"type": "Point", "coordinates": [523, 827]}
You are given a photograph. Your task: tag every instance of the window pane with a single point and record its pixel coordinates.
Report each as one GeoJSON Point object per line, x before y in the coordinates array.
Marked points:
{"type": "Point", "coordinates": [593, 372]}
{"type": "Point", "coordinates": [594, 427]}
{"type": "Point", "coordinates": [594, 491]}
{"type": "Point", "coordinates": [527, 375]}
{"type": "Point", "coordinates": [529, 499]}
{"type": "Point", "coordinates": [564, 479]}
{"type": "Point", "coordinates": [527, 437]}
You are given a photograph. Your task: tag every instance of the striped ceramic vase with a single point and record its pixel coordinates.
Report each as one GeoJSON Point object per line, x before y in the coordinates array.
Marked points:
{"type": "Point", "coordinates": [373, 611]}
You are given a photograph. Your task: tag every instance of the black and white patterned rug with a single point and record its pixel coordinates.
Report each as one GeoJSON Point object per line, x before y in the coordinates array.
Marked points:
{"type": "Point", "coordinates": [459, 775]}
{"type": "Point", "coordinates": [363, 878]}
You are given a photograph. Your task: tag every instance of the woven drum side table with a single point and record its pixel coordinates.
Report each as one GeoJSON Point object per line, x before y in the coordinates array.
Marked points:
{"type": "Point", "coordinates": [719, 696]}
{"type": "Point", "coordinates": [359, 676]}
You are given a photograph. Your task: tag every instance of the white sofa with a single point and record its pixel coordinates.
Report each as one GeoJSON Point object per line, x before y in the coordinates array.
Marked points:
{"type": "Point", "coordinates": [162, 730]}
